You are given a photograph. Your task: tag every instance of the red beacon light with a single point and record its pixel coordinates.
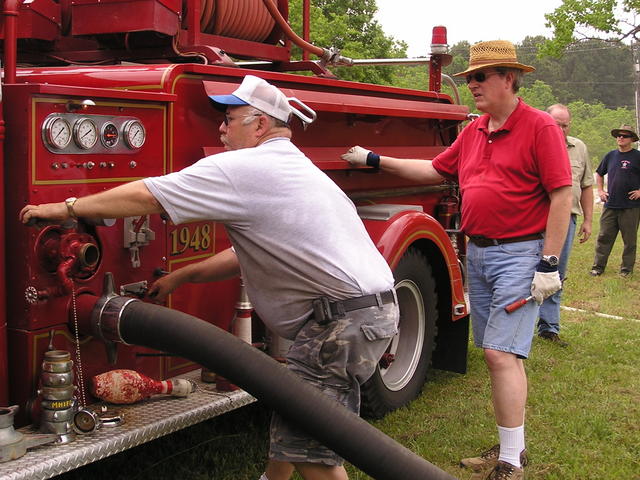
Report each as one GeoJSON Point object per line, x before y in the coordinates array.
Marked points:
{"type": "Point", "coordinates": [439, 40]}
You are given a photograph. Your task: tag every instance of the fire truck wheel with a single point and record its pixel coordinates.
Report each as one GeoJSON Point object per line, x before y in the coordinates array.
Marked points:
{"type": "Point", "coordinates": [396, 383]}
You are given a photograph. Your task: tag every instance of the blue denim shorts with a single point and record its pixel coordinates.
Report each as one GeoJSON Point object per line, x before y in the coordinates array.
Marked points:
{"type": "Point", "coordinates": [497, 276]}
{"type": "Point", "coordinates": [336, 358]}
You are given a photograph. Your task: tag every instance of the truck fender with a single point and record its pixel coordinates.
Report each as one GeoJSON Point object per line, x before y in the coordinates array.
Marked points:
{"type": "Point", "coordinates": [411, 230]}
{"type": "Point", "coordinates": [395, 235]}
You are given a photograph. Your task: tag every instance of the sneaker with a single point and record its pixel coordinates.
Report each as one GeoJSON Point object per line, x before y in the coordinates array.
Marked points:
{"type": "Point", "coordinates": [624, 273]}
{"type": "Point", "coordinates": [505, 471]}
{"type": "Point", "coordinates": [489, 459]}
{"type": "Point", "coordinates": [554, 338]}
{"type": "Point", "coordinates": [595, 272]}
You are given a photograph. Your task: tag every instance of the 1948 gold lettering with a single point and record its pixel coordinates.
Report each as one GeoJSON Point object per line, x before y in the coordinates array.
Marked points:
{"type": "Point", "coordinates": [197, 239]}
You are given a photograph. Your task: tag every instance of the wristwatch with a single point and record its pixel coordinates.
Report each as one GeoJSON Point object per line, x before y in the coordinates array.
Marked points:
{"type": "Point", "coordinates": [69, 202]}
{"type": "Point", "coordinates": [551, 260]}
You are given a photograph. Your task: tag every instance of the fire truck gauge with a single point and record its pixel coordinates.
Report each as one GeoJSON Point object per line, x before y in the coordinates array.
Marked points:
{"type": "Point", "coordinates": [85, 133]}
{"type": "Point", "coordinates": [109, 135]}
{"type": "Point", "coordinates": [57, 132]}
{"type": "Point", "coordinates": [134, 134]}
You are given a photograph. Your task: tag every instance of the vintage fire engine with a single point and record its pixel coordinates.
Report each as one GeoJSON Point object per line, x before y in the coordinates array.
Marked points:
{"type": "Point", "coordinates": [96, 93]}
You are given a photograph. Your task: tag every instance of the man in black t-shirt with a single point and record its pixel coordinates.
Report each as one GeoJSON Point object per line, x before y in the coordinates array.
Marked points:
{"type": "Point", "coordinates": [621, 210]}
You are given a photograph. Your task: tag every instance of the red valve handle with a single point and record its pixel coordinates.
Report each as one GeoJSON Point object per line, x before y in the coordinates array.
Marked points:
{"type": "Point", "coordinates": [512, 307]}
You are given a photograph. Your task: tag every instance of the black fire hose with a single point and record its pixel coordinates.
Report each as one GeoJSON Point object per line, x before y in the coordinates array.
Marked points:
{"type": "Point", "coordinates": [330, 423]}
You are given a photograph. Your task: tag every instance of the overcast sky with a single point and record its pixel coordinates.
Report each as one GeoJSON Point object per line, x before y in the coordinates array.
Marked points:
{"type": "Point", "coordinates": [413, 20]}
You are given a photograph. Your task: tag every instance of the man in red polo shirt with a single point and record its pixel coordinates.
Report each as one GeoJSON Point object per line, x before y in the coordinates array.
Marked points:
{"type": "Point", "coordinates": [515, 178]}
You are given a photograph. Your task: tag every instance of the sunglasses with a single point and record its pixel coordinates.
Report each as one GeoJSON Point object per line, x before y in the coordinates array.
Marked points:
{"type": "Point", "coordinates": [480, 76]}
{"type": "Point", "coordinates": [622, 135]}
{"type": "Point", "coordinates": [227, 119]}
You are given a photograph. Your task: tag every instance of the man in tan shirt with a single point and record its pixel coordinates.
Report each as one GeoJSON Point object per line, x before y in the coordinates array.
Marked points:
{"type": "Point", "coordinates": [582, 189]}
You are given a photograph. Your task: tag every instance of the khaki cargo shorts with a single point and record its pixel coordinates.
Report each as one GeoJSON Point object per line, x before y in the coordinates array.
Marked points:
{"type": "Point", "coordinates": [336, 358]}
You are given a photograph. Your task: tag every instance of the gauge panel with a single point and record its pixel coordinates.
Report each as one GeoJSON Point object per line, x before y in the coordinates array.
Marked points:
{"type": "Point", "coordinates": [92, 134]}
{"type": "Point", "coordinates": [109, 135]}
{"type": "Point", "coordinates": [134, 134]}
{"type": "Point", "coordinates": [56, 132]}
{"type": "Point", "coordinates": [85, 133]}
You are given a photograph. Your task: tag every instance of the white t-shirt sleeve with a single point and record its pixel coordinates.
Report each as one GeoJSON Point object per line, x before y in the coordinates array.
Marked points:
{"type": "Point", "coordinates": [201, 191]}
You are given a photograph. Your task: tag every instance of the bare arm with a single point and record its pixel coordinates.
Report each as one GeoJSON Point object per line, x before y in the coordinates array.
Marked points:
{"type": "Point", "coordinates": [601, 192]}
{"type": "Point", "coordinates": [420, 171]}
{"type": "Point", "coordinates": [586, 202]}
{"type": "Point", "coordinates": [125, 200]}
{"type": "Point", "coordinates": [558, 220]}
{"type": "Point", "coordinates": [221, 266]}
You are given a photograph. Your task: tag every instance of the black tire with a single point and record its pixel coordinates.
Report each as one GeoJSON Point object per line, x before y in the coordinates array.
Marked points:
{"type": "Point", "coordinates": [393, 387]}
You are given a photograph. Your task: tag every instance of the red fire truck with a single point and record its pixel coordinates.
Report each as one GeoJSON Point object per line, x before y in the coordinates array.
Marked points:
{"type": "Point", "coordinates": [96, 93]}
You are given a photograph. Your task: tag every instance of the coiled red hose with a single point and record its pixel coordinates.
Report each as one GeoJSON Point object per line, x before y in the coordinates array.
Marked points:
{"type": "Point", "coordinates": [243, 19]}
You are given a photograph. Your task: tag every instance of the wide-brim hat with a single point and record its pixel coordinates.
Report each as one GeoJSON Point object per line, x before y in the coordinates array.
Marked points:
{"type": "Point", "coordinates": [495, 53]}
{"type": "Point", "coordinates": [627, 129]}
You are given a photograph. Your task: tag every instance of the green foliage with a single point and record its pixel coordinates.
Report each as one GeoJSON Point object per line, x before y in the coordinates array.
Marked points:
{"type": "Point", "coordinates": [350, 27]}
{"type": "Point", "coordinates": [614, 18]}
{"type": "Point", "coordinates": [539, 95]}
{"type": "Point", "coordinates": [594, 71]}
{"type": "Point", "coordinates": [593, 124]}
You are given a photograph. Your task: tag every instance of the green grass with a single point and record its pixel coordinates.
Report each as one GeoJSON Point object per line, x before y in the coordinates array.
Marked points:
{"type": "Point", "coordinates": [583, 414]}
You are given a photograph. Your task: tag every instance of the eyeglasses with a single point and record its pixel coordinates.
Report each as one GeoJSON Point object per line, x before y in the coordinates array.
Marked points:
{"type": "Point", "coordinates": [480, 76]}
{"type": "Point", "coordinates": [227, 119]}
{"type": "Point", "coordinates": [622, 135]}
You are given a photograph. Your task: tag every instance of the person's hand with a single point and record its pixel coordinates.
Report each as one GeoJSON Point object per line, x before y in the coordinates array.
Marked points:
{"type": "Point", "coordinates": [604, 196]}
{"type": "Point", "coordinates": [634, 195]}
{"type": "Point", "coordinates": [52, 212]}
{"type": "Point", "coordinates": [163, 287]}
{"type": "Point", "coordinates": [544, 285]}
{"type": "Point", "coordinates": [585, 232]}
{"type": "Point", "coordinates": [356, 155]}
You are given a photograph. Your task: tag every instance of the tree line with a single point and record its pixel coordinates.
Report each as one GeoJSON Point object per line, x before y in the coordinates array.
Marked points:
{"type": "Point", "coordinates": [595, 78]}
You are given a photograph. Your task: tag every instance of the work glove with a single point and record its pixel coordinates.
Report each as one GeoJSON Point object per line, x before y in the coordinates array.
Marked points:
{"type": "Point", "coordinates": [356, 155]}
{"type": "Point", "coordinates": [544, 285]}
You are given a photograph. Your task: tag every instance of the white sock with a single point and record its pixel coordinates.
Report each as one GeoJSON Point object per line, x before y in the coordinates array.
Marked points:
{"type": "Point", "coordinates": [263, 477]}
{"type": "Point", "coordinates": [511, 444]}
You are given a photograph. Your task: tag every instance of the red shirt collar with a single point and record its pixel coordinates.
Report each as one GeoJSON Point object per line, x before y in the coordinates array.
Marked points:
{"type": "Point", "coordinates": [483, 121]}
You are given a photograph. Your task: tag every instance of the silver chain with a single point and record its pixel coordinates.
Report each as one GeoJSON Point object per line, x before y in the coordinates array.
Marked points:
{"type": "Point", "coordinates": [83, 399]}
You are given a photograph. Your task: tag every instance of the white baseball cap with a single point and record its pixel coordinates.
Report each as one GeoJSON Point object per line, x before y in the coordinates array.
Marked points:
{"type": "Point", "coordinates": [258, 93]}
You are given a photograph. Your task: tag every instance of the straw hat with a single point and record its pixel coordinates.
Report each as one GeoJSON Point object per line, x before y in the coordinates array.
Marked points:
{"type": "Point", "coordinates": [627, 129]}
{"type": "Point", "coordinates": [495, 53]}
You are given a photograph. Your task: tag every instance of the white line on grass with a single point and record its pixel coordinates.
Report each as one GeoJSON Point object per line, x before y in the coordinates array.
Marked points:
{"type": "Point", "coordinates": [598, 314]}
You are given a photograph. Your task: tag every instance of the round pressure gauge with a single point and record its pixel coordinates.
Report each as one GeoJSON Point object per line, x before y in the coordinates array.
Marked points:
{"type": "Point", "coordinates": [57, 132]}
{"type": "Point", "coordinates": [109, 135]}
{"type": "Point", "coordinates": [134, 134]}
{"type": "Point", "coordinates": [85, 133]}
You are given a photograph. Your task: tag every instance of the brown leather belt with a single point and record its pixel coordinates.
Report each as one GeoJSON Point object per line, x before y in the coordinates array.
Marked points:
{"type": "Point", "coordinates": [481, 241]}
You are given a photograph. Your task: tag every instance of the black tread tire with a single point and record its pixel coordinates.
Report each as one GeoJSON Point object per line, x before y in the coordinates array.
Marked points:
{"type": "Point", "coordinates": [392, 388]}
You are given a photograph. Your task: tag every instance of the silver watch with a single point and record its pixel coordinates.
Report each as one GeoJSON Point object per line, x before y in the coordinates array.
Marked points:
{"type": "Point", "coordinates": [552, 260]}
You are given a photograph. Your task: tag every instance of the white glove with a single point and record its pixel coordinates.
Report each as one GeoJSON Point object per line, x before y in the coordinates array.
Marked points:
{"type": "Point", "coordinates": [544, 285]}
{"type": "Point", "coordinates": [356, 155]}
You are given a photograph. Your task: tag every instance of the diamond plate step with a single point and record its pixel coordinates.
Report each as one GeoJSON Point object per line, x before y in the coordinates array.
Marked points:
{"type": "Point", "coordinates": [143, 422]}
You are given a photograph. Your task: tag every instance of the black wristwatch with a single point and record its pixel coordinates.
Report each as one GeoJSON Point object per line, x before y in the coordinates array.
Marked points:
{"type": "Point", "coordinates": [550, 260]}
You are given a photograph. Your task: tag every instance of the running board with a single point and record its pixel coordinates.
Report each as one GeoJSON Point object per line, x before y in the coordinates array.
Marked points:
{"type": "Point", "coordinates": [143, 422]}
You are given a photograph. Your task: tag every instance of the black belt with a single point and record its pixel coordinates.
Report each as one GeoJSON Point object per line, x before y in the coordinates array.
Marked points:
{"type": "Point", "coordinates": [325, 310]}
{"type": "Point", "coordinates": [481, 241]}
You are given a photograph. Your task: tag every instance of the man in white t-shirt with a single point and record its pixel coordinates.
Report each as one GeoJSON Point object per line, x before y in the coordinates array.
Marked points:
{"type": "Point", "coordinates": [311, 270]}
